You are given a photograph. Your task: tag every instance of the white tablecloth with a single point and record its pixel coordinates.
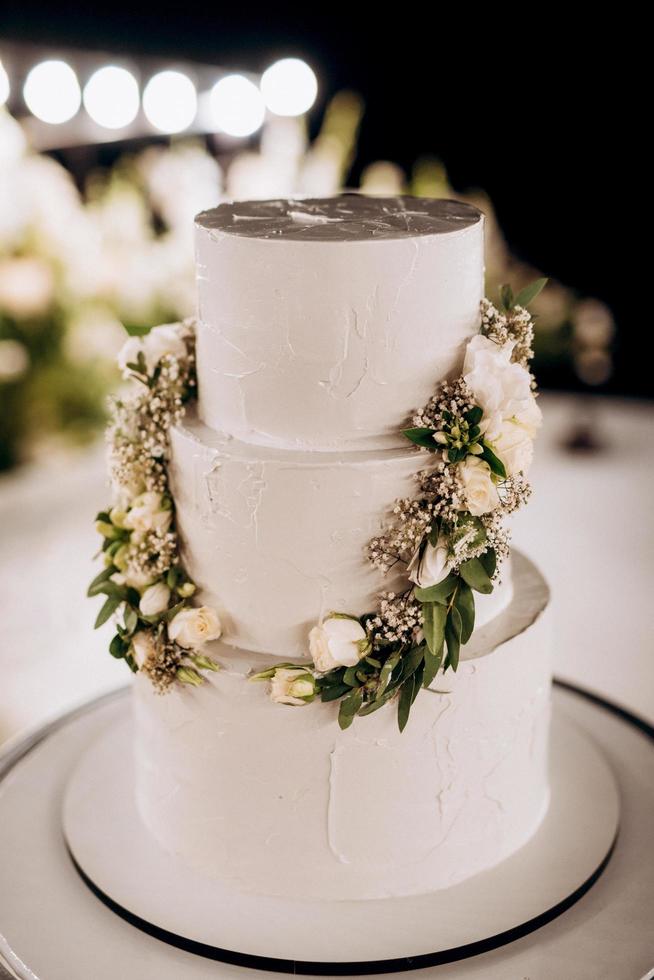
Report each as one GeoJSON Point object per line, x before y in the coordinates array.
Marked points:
{"type": "Point", "coordinates": [589, 525]}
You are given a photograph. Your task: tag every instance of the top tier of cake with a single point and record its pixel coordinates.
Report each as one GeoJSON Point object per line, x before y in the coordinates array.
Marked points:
{"type": "Point", "coordinates": [324, 323]}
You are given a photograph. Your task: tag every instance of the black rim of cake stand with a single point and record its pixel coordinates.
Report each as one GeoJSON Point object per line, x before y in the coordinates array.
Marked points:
{"type": "Point", "coordinates": [398, 964]}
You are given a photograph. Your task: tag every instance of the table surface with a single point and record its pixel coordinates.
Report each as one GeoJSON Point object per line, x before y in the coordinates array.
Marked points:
{"type": "Point", "coordinates": [589, 527]}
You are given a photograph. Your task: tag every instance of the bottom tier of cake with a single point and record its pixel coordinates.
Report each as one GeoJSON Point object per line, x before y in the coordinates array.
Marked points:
{"type": "Point", "coordinates": [279, 801]}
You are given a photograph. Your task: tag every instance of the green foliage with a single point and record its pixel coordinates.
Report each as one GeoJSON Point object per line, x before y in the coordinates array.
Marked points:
{"type": "Point", "coordinates": [475, 575]}
{"type": "Point", "coordinates": [421, 437]}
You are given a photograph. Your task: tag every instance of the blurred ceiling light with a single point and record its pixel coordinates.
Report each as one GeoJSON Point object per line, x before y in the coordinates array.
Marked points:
{"type": "Point", "coordinates": [289, 87]}
{"type": "Point", "coordinates": [236, 105]}
{"type": "Point", "coordinates": [52, 92]}
{"type": "Point", "coordinates": [170, 101]}
{"type": "Point", "coordinates": [4, 85]}
{"type": "Point", "coordinates": [111, 97]}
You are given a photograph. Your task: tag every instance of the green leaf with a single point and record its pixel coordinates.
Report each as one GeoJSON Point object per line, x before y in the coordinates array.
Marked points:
{"type": "Point", "coordinates": [173, 576]}
{"type": "Point", "coordinates": [438, 593]}
{"type": "Point", "coordinates": [530, 292]}
{"type": "Point", "coordinates": [421, 437]}
{"type": "Point", "coordinates": [474, 573]}
{"type": "Point", "coordinates": [108, 609]}
{"type": "Point", "coordinates": [434, 615]}
{"type": "Point", "coordinates": [453, 637]}
{"type": "Point", "coordinates": [103, 576]}
{"type": "Point", "coordinates": [335, 692]}
{"type": "Point", "coordinates": [433, 662]}
{"type": "Point", "coordinates": [489, 561]}
{"type": "Point", "coordinates": [465, 604]}
{"type": "Point", "coordinates": [104, 517]}
{"type": "Point", "coordinates": [434, 533]}
{"type": "Point", "coordinates": [496, 464]}
{"type": "Point", "coordinates": [374, 705]}
{"type": "Point", "coordinates": [386, 671]}
{"type": "Point", "coordinates": [474, 415]}
{"type": "Point", "coordinates": [418, 678]}
{"type": "Point", "coordinates": [349, 707]}
{"type": "Point", "coordinates": [131, 619]}
{"type": "Point", "coordinates": [118, 648]}
{"type": "Point", "coordinates": [412, 660]}
{"type": "Point", "coordinates": [506, 297]}
{"type": "Point", "coordinates": [405, 702]}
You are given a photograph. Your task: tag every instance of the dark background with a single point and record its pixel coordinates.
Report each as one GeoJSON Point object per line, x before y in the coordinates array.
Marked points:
{"type": "Point", "coordinates": [534, 108]}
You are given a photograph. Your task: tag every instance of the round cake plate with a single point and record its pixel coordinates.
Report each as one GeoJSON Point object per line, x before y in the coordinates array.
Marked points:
{"type": "Point", "coordinates": [123, 865]}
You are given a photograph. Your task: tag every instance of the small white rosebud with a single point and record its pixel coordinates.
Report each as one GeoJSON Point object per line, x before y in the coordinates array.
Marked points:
{"type": "Point", "coordinates": [440, 438]}
{"type": "Point", "coordinates": [105, 529]}
{"type": "Point", "coordinates": [118, 515]}
{"type": "Point", "coordinates": [292, 685]}
{"type": "Point", "coordinates": [155, 599]}
{"type": "Point", "coordinates": [186, 590]}
{"type": "Point", "coordinates": [187, 675]}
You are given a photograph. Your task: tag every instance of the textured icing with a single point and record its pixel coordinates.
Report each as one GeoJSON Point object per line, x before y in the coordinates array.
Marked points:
{"type": "Point", "coordinates": [324, 324]}
{"type": "Point", "coordinates": [348, 217]}
{"type": "Point", "coordinates": [279, 801]}
{"type": "Point", "coordinates": [276, 538]}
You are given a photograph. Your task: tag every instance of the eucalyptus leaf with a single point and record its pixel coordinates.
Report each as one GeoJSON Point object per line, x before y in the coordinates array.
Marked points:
{"type": "Point", "coordinates": [418, 678]}
{"type": "Point", "coordinates": [118, 648]}
{"type": "Point", "coordinates": [335, 692]}
{"type": "Point", "coordinates": [131, 619]}
{"type": "Point", "coordinates": [108, 609]}
{"type": "Point", "coordinates": [421, 437]}
{"type": "Point", "coordinates": [474, 573]}
{"type": "Point", "coordinates": [506, 296]}
{"type": "Point", "coordinates": [530, 292]}
{"type": "Point", "coordinates": [465, 604]}
{"type": "Point", "coordinates": [350, 676]}
{"type": "Point", "coordinates": [434, 616]}
{"type": "Point", "coordinates": [433, 662]}
{"type": "Point", "coordinates": [411, 661]}
{"type": "Point", "coordinates": [438, 593]}
{"type": "Point", "coordinates": [405, 702]}
{"type": "Point", "coordinates": [349, 707]}
{"type": "Point", "coordinates": [496, 465]}
{"type": "Point", "coordinates": [474, 415]}
{"type": "Point", "coordinates": [103, 576]}
{"type": "Point", "coordinates": [386, 671]}
{"type": "Point", "coordinates": [453, 637]}
{"type": "Point", "coordinates": [489, 561]}
{"type": "Point", "coordinates": [371, 706]}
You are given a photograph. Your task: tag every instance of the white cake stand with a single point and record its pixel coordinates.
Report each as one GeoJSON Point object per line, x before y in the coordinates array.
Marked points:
{"type": "Point", "coordinates": [52, 926]}
{"type": "Point", "coordinates": [121, 863]}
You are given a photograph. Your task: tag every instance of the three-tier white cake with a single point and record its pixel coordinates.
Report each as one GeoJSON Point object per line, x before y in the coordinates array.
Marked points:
{"type": "Point", "coordinates": [322, 325]}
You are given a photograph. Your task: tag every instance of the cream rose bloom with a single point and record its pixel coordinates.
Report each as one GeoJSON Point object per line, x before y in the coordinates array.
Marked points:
{"type": "Point", "coordinates": [432, 567]}
{"type": "Point", "coordinates": [148, 513]}
{"type": "Point", "coordinates": [155, 599]}
{"type": "Point", "coordinates": [142, 647]}
{"type": "Point", "coordinates": [514, 446]}
{"type": "Point", "coordinates": [501, 388]}
{"type": "Point", "coordinates": [291, 685]}
{"type": "Point", "coordinates": [193, 627]}
{"type": "Point", "coordinates": [159, 342]}
{"type": "Point", "coordinates": [480, 491]}
{"type": "Point", "coordinates": [335, 643]}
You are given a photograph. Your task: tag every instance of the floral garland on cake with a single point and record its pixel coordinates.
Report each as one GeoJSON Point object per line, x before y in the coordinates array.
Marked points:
{"type": "Point", "coordinates": [450, 536]}
{"type": "Point", "coordinates": [147, 590]}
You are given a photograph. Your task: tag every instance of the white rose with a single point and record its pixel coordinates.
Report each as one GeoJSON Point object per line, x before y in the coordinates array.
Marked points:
{"type": "Point", "coordinates": [501, 388]}
{"type": "Point", "coordinates": [138, 580]}
{"type": "Point", "coordinates": [148, 513]}
{"type": "Point", "coordinates": [432, 567]}
{"type": "Point", "coordinates": [193, 627]}
{"type": "Point", "coordinates": [480, 491]}
{"type": "Point", "coordinates": [155, 599]}
{"type": "Point", "coordinates": [142, 647]}
{"type": "Point", "coordinates": [336, 643]}
{"type": "Point", "coordinates": [514, 446]}
{"type": "Point", "coordinates": [158, 343]}
{"type": "Point", "coordinates": [291, 685]}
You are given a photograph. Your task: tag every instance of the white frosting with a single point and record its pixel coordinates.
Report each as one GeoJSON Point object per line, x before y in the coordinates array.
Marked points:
{"type": "Point", "coordinates": [276, 539]}
{"type": "Point", "coordinates": [278, 800]}
{"type": "Point", "coordinates": [324, 324]}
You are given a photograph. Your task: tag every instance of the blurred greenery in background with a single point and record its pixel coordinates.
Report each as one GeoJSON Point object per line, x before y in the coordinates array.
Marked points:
{"type": "Point", "coordinates": [77, 267]}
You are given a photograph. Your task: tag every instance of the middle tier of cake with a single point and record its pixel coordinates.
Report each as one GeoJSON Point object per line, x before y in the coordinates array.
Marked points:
{"type": "Point", "coordinates": [276, 539]}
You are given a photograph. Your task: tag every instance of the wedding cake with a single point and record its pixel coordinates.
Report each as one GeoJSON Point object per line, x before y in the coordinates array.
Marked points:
{"type": "Point", "coordinates": [308, 544]}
